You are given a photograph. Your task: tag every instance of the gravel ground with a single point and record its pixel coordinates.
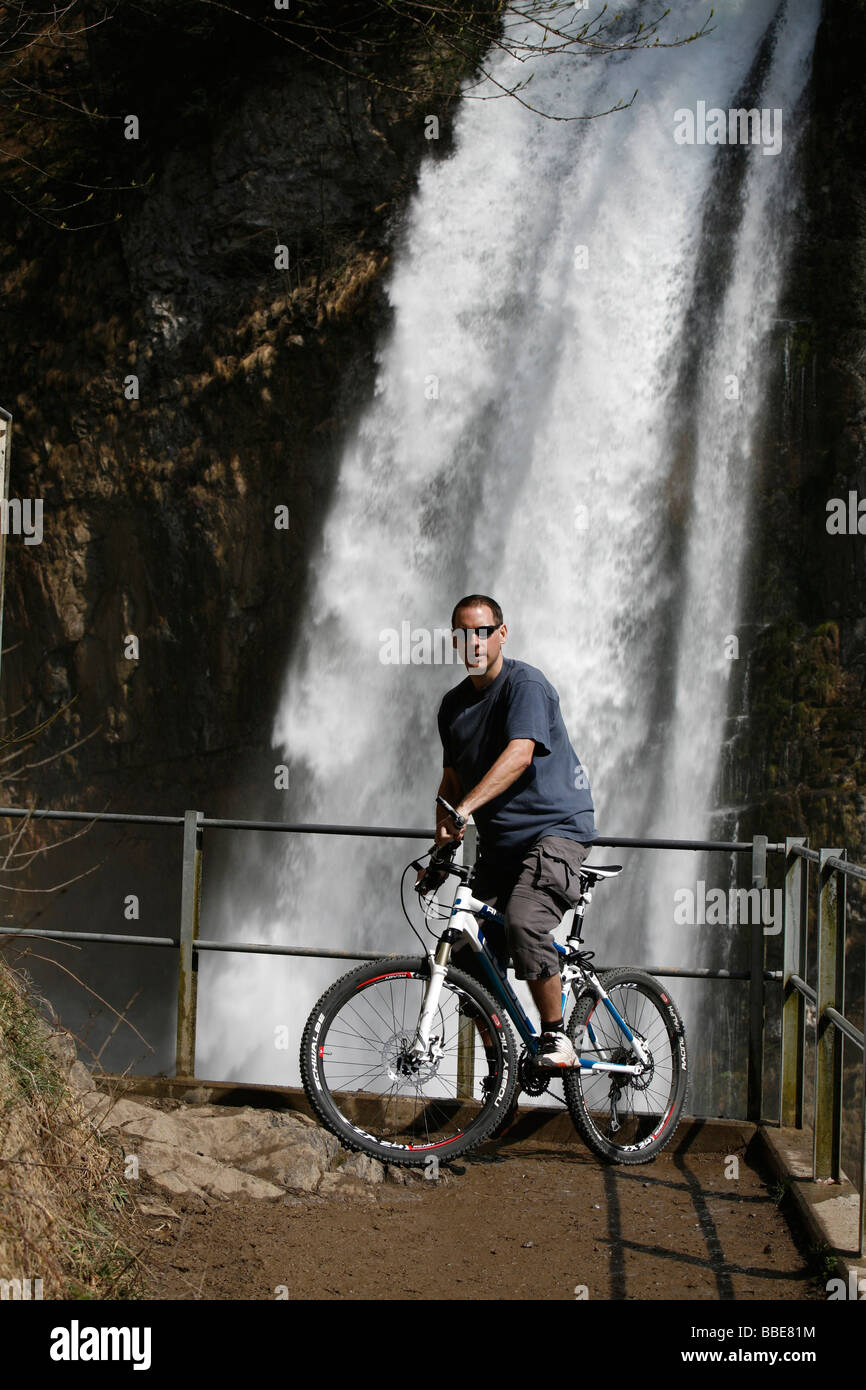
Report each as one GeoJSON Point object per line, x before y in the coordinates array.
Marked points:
{"type": "Point", "coordinates": [520, 1220]}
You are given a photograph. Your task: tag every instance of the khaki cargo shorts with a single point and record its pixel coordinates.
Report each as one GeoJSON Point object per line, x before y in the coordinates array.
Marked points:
{"type": "Point", "coordinates": [534, 893]}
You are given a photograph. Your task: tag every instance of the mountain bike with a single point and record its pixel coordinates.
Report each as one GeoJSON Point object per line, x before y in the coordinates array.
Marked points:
{"type": "Point", "coordinates": [405, 1057]}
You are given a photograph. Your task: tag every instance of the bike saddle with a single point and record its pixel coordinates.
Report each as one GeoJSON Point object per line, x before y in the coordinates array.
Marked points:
{"type": "Point", "coordinates": [596, 871]}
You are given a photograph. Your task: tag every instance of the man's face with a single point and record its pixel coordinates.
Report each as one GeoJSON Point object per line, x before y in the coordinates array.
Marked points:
{"type": "Point", "coordinates": [478, 645]}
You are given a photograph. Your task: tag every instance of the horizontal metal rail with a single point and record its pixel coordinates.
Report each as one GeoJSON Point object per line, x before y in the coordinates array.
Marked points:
{"type": "Point", "coordinates": [852, 870]}
{"type": "Point", "coordinates": [272, 949]}
{"type": "Point", "coordinates": [839, 1021]}
{"type": "Point", "coordinates": [268, 950]}
{"type": "Point", "coordinates": [803, 852]}
{"type": "Point", "coordinates": [120, 939]}
{"type": "Point", "coordinates": [832, 1015]}
{"type": "Point", "coordinates": [805, 989]}
{"type": "Point", "coordinates": [383, 831]}
{"type": "Point", "coordinates": [110, 817]}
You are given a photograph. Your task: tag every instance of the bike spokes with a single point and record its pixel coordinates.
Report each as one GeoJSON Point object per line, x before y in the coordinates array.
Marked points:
{"type": "Point", "coordinates": [367, 1078]}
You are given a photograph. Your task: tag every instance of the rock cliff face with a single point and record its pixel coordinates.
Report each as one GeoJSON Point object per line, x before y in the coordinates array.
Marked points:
{"type": "Point", "coordinates": [797, 760]}
{"type": "Point", "coordinates": [176, 379]}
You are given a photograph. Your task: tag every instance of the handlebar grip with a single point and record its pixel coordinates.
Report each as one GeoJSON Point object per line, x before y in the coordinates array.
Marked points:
{"type": "Point", "coordinates": [458, 820]}
{"type": "Point", "coordinates": [441, 859]}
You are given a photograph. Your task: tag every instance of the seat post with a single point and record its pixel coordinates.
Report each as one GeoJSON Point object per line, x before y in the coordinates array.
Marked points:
{"type": "Point", "coordinates": [574, 936]}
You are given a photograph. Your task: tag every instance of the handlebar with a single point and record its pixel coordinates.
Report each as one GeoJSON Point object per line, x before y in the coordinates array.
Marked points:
{"type": "Point", "coordinates": [438, 869]}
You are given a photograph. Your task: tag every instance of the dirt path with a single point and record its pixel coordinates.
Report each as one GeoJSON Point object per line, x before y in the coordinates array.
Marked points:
{"type": "Point", "coordinates": [526, 1220]}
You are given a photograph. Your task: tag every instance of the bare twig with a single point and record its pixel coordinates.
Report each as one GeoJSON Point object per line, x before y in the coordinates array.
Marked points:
{"type": "Point", "coordinates": [128, 1005]}
{"type": "Point", "coordinates": [61, 752]}
{"type": "Point", "coordinates": [72, 975]}
{"type": "Point", "coordinates": [54, 887]}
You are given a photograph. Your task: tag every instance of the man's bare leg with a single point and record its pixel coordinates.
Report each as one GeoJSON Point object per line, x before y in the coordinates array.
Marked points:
{"type": "Point", "coordinates": [547, 997]}
{"type": "Point", "coordinates": [556, 1049]}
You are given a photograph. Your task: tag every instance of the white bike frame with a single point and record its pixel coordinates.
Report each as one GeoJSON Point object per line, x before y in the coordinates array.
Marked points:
{"type": "Point", "coordinates": [463, 918]}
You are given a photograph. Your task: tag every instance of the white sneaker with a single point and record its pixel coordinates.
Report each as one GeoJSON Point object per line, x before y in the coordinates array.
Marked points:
{"type": "Point", "coordinates": [556, 1050]}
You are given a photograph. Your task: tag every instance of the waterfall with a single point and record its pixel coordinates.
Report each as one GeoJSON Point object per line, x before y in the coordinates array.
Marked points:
{"type": "Point", "coordinates": [563, 417]}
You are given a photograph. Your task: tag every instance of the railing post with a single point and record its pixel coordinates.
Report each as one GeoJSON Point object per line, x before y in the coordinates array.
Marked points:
{"type": "Point", "coordinates": [862, 1249]}
{"type": "Point", "coordinates": [793, 1003]}
{"type": "Point", "coordinates": [828, 1045]}
{"type": "Point", "coordinates": [5, 442]}
{"type": "Point", "coordinates": [756, 986]}
{"type": "Point", "coordinates": [841, 933]}
{"type": "Point", "coordinates": [187, 977]}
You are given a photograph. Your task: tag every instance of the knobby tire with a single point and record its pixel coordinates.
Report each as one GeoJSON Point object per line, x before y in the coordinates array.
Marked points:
{"type": "Point", "coordinates": [354, 1046]}
{"type": "Point", "coordinates": [647, 1107]}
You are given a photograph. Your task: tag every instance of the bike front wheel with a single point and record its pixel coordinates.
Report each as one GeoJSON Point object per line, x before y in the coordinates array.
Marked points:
{"type": "Point", "coordinates": [366, 1087]}
{"type": "Point", "coordinates": [625, 1118]}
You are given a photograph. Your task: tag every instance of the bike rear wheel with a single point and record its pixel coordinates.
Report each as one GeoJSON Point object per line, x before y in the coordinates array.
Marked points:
{"type": "Point", "coordinates": [623, 1118]}
{"type": "Point", "coordinates": [359, 1077]}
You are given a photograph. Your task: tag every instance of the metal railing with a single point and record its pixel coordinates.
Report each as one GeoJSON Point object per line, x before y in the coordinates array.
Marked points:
{"type": "Point", "coordinates": [827, 996]}
{"type": "Point", "coordinates": [189, 942]}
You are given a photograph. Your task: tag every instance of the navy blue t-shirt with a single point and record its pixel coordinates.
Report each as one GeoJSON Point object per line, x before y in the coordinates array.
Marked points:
{"type": "Point", "coordinates": [552, 797]}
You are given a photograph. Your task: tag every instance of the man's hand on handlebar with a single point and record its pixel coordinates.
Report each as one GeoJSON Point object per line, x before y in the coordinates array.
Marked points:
{"type": "Point", "coordinates": [446, 833]}
{"type": "Point", "coordinates": [421, 874]}
{"type": "Point", "coordinates": [449, 831]}
{"type": "Point", "coordinates": [434, 874]}
{"type": "Point", "coordinates": [453, 825]}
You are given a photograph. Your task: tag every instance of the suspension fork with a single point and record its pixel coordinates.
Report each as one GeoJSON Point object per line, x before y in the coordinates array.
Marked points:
{"type": "Point", "coordinates": [438, 971]}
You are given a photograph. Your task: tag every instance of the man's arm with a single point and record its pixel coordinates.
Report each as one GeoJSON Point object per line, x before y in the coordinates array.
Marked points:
{"type": "Point", "coordinates": [512, 762]}
{"type": "Point", "coordinates": [449, 788]}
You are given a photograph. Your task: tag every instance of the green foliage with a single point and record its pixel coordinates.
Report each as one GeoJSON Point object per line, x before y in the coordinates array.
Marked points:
{"type": "Point", "coordinates": [102, 1265]}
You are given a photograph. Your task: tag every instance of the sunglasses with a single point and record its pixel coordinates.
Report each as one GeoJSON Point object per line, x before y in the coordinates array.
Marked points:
{"type": "Point", "coordinates": [483, 632]}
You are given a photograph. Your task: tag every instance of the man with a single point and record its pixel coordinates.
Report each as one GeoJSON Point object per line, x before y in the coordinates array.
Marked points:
{"type": "Point", "coordinates": [508, 762]}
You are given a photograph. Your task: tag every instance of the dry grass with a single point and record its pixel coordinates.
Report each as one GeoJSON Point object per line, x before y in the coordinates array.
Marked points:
{"type": "Point", "coordinates": [64, 1211]}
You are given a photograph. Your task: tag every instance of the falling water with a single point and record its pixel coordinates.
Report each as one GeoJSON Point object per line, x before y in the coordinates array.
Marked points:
{"type": "Point", "coordinates": [555, 422]}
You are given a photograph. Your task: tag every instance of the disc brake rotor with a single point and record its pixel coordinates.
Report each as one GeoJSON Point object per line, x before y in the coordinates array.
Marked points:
{"type": "Point", "coordinates": [401, 1065]}
{"type": "Point", "coordinates": [628, 1058]}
